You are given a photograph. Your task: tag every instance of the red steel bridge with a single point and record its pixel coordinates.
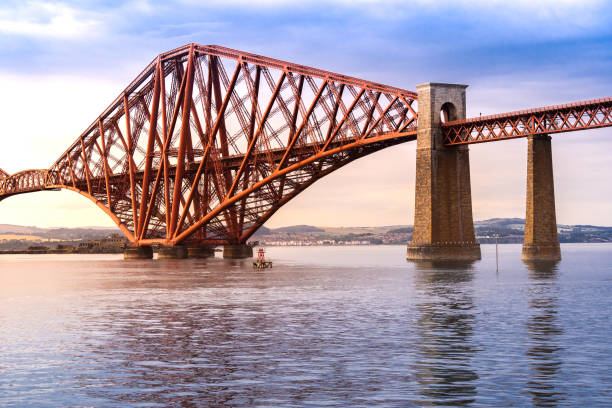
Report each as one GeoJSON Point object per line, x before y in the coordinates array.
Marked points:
{"type": "Point", "coordinates": [207, 142]}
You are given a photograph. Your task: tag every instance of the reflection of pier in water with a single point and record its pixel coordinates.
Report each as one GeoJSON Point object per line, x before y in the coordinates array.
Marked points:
{"type": "Point", "coordinates": [543, 350]}
{"type": "Point", "coordinates": [445, 327]}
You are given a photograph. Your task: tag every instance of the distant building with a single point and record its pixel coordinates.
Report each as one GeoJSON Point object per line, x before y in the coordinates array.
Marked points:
{"type": "Point", "coordinates": [115, 241]}
{"type": "Point", "coordinates": [64, 249]}
{"type": "Point", "coordinates": [38, 249]}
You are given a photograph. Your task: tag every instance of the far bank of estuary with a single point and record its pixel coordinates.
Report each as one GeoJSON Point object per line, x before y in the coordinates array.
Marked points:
{"type": "Point", "coordinates": [15, 239]}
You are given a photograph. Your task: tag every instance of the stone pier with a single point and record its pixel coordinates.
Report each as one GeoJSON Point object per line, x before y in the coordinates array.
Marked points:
{"type": "Point", "coordinates": [172, 252]}
{"type": "Point", "coordinates": [141, 252]}
{"type": "Point", "coordinates": [201, 251]}
{"type": "Point", "coordinates": [237, 251]}
{"type": "Point", "coordinates": [443, 224]}
{"type": "Point", "coordinates": [541, 239]}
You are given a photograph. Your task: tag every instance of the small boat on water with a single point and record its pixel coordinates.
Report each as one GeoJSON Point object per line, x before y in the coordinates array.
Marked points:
{"type": "Point", "coordinates": [261, 262]}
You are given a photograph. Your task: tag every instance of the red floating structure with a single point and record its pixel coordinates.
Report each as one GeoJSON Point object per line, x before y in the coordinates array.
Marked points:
{"type": "Point", "coordinates": [261, 262]}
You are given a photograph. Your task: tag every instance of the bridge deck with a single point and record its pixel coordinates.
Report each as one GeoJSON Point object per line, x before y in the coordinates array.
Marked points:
{"type": "Point", "coordinates": [590, 114]}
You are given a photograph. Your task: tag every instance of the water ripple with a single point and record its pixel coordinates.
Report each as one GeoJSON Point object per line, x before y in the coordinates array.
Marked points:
{"type": "Point", "coordinates": [326, 327]}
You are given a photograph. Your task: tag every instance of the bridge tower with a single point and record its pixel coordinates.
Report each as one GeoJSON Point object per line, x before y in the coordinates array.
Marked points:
{"type": "Point", "coordinates": [541, 239]}
{"type": "Point", "coordinates": [443, 223]}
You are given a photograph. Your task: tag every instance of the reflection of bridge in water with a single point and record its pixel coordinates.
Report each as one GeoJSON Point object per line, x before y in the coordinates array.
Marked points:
{"type": "Point", "coordinates": [449, 367]}
{"type": "Point", "coordinates": [207, 143]}
{"type": "Point", "coordinates": [544, 352]}
{"type": "Point", "coordinates": [444, 368]}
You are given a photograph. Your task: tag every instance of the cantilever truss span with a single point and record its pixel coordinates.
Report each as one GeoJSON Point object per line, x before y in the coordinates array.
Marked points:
{"type": "Point", "coordinates": [583, 115]}
{"type": "Point", "coordinates": [25, 181]}
{"type": "Point", "coordinates": [208, 142]}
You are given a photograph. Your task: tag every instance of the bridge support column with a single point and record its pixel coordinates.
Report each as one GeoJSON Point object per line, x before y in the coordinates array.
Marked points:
{"type": "Point", "coordinates": [172, 252]}
{"type": "Point", "coordinates": [237, 251]}
{"type": "Point", "coordinates": [541, 239]}
{"type": "Point", "coordinates": [443, 224]}
{"type": "Point", "coordinates": [141, 252]}
{"type": "Point", "coordinates": [201, 252]}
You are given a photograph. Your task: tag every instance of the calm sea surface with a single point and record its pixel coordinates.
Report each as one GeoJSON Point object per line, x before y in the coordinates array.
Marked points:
{"type": "Point", "coordinates": [327, 326]}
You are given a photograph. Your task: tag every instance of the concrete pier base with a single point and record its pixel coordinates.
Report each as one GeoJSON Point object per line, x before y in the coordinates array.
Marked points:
{"type": "Point", "coordinates": [142, 252]}
{"type": "Point", "coordinates": [237, 251]}
{"type": "Point", "coordinates": [452, 251]}
{"type": "Point", "coordinates": [172, 252]}
{"type": "Point", "coordinates": [533, 252]}
{"type": "Point", "coordinates": [200, 252]}
{"type": "Point", "coordinates": [541, 239]}
{"type": "Point", "coordinates": [443, 224]}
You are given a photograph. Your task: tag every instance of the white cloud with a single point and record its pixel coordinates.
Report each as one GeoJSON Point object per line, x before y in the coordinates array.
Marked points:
{"type": "Point", "coordinates": [143, 6]}
{"type": "Point", "coordinates": [577, 10]}
{"type": "Point", "coordinates": [48, 20]}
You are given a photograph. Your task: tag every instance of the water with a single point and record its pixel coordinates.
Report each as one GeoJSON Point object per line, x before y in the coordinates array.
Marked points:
{"type": "Point", "coordinates": [327, 326]}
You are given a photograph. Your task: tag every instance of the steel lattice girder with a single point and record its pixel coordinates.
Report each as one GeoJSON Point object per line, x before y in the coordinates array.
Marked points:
{"type": "Point", "coordinates": [25, 181]}
{"type": "Point", "coordinates": [208, 142]}
{"type": "Point", "coordinates": [552, 119]}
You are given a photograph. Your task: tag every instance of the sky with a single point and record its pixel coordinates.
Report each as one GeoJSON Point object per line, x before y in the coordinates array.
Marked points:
{"type": "Point", "coordinates": [63, 62]}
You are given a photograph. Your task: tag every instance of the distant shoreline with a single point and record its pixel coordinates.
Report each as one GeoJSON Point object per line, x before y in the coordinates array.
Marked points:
{"type": "Point", "coordinates": [56, 252]}
{"type": "Point", "coordinates": [31, 240]}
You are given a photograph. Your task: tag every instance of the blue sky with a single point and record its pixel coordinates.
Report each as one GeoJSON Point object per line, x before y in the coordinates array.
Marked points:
{"type": "Point", "coordinates": [62, 62]}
